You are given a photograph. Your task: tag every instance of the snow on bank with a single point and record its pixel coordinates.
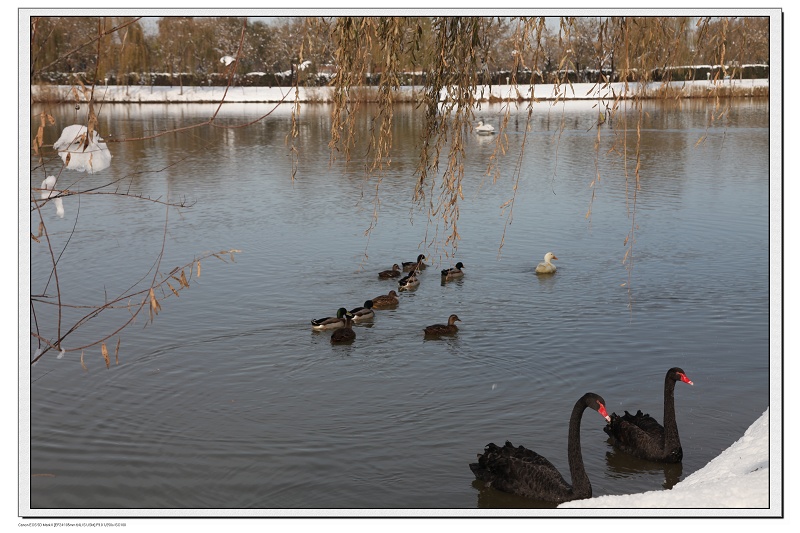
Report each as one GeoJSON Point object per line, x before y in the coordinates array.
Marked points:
{"type": "Point", "coordinates": [737, 478]}
{"type": "Point", "coordinates": [576, 91]}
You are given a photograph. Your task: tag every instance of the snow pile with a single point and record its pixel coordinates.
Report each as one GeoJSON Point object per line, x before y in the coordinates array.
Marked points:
{"type": "Point", "coordinates": [265, 94]}
{"type": "Point", "coordinates": [737, 478]}
{"type": "Point", "coordinates": [48, 185]}
{"type": "Point", "coordinates": [82, 152]}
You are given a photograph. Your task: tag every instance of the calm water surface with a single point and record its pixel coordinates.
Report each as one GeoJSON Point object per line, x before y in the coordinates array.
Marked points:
{"type": "Point", "coordinates": [229, 400]}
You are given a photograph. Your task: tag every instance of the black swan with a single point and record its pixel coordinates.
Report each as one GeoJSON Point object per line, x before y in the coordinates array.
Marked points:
{"type": "Point", "coordinates": [526, 473]}
{"type": "Point", "coordinates": [642, 436]}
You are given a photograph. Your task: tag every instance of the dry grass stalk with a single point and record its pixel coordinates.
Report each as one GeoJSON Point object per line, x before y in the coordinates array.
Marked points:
{"type": "Point", "coordinates": [104, 351]}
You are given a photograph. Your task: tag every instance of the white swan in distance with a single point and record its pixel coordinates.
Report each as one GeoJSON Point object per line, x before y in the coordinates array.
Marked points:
{"type": "Point", "coordinates": [81, 151]}
{"type": "Point", "coordinates": [484, 129]}
{"type": "Point", "coordinates": [547, 267]}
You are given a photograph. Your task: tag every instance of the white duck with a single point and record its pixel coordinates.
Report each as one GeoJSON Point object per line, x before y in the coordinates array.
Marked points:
{"type": "Point", "coordinates": [484, 129]}
{"type": "Point", "coordinates": [547, 267]}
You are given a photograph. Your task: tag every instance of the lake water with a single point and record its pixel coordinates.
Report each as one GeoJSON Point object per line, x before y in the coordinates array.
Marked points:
{"type": "Point", "coordinates": [229, 400]}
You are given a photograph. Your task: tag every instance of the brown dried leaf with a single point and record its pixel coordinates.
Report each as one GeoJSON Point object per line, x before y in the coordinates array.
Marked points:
{"type": "Point", "coordinates": [39, 140]}
{"type": "Point", "coordinates": [155, 307]}
{"type": "Point", "coordinates": [184, 283]}
{"type": "Point", "coordinates": [172, 289]}
{"type": "Point", "coordinates": [198, 269]}
{"type": "Point", "coordinates": [82, 363]}
{"type": "Point", "coordinates": [105, 355]}
{"type": "Point", "coordinates": [116, 351]}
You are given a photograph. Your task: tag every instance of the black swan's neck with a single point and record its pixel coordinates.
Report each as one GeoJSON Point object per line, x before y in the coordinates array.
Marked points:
{"type": "Point", "coordinates": [671, 438]}
{"type": "Point", "coordinates": [581, 487]}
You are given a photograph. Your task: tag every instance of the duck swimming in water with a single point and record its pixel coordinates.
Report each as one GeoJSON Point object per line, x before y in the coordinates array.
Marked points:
{"type": "Point", "coordinates": [453, 273]}
{"type": "Point", "coordinates": [330, 322]}
{"type": "Point", "coordinates": [363, 313]}
{"type": "Point", "coordinates": [385, 300]}
{"type": "Point", "coordinates": [409, 282]}
{"type": "Point", "coordinates": [389, 274]}
{"type": "Point", "coordinates": [419, 264]}
{"type": "Point", "coordinates": [345, 334]}
{"type": "Point", "coordinates": [443, 329]}
{"type": "Point", "coordinates": [547, 267]}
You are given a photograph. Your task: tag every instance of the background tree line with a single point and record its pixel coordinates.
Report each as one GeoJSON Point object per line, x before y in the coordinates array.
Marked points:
{"type": "Point", "coordinates": [189, 50]}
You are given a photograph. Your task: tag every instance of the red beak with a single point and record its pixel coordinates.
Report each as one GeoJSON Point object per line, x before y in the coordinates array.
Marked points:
{"type": "Point", "coordinates": [603, 413]}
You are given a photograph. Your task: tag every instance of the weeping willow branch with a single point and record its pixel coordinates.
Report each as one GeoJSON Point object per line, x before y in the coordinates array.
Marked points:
{"type": "Point", "coordinates": [149, 294]}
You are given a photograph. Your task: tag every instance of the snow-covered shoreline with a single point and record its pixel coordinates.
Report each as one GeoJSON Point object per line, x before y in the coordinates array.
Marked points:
{"type": "Point", "coordinates": [576, 91]}
{"type": "Point", "coordinates": [739, 478]}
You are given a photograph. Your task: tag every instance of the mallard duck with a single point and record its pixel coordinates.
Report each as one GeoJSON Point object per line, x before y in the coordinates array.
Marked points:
{"type": "Point", "coordinates": [484, 129]}
{"type": "Point", "coordinates": [444, 329]}
{"type": "Point", "coordinates": [385, 300]}
{"type": "Point", "coordinates": [344, 334]}
{"type": "Point", "coordinates": [419, 264]}
{"type": "Point", "coordinates": [547, 267]}
{"type": "Point", "coordinates": [409, 282]}
{"type": "Point", "coordinates": [330, 322]}
{"type": "Point", "coordinates": [388, 274]}
{"type": "Point", "coordinates": [453, 273]}
{"type": "Point", "coordinates": [362, 313]}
